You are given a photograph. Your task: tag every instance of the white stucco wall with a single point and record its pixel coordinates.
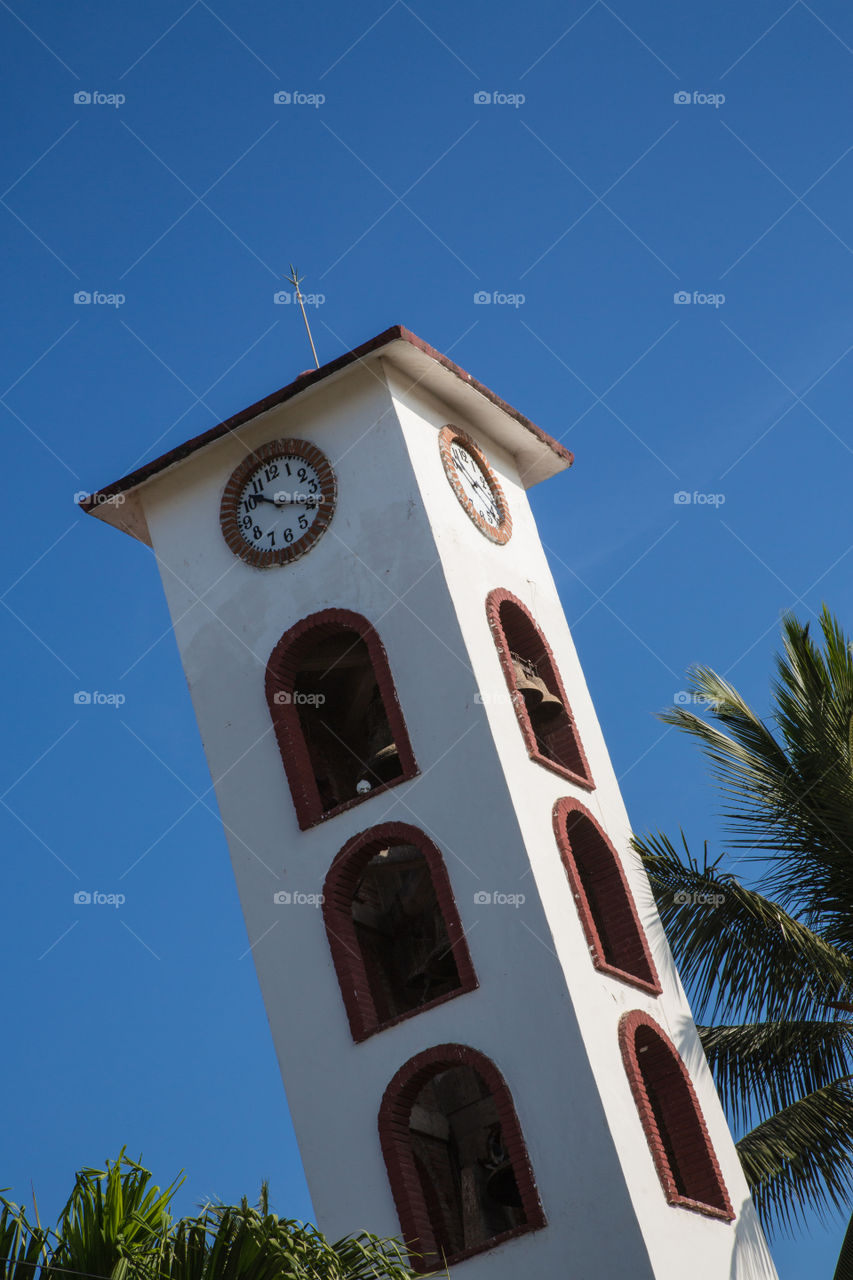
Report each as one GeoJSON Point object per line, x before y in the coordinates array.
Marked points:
{"type": "Point", "coordinates": [401, 551]}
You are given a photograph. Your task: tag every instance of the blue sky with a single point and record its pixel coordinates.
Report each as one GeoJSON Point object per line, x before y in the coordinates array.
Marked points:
{"type": "Point", "coordinates": [181, 190]}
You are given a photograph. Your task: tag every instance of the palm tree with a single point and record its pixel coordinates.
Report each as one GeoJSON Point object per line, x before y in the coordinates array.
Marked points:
{"type": "Point", "coordinates": [770, 969]}
{"type": "Point", "coordinates": [118, 1226]}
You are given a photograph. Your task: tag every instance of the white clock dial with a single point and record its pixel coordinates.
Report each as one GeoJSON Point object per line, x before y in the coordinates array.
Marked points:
{"type": "Point", "coordinates": [475, 485]}
{"type": "Point", "coordinates": [279, 503]}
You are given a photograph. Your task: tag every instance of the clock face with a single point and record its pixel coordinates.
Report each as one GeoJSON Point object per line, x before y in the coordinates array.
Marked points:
{"type": "Point", "coordinates": [475, 484]}
{"type": "Point", "coordinates": [278, 502]}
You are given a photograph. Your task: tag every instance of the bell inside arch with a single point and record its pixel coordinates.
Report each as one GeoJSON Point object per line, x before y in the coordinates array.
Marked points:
{"type": "Point", "coordinates": [501, 1185]}
{"type": "Point", "coordinates": [383, 762]}
{"type": "Point", "coordinates": [542, 705]}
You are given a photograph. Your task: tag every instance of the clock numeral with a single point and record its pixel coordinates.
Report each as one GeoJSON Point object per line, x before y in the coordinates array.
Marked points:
{"type": "Point", "coordinates": [303, 522]}
{"type": "Point", "coordinates": [288, 535]}
{"type": "Point", "coordinates": [271, 472]}
{"type": "Point", "coordinates": [312, 486]}
{"type": "Point", "coordinates": [271, 536]}
{"type": "Point", "coordinates": [287, 468]}
{"type": "Point", "coordinates": [302, 474]}
{"type": "Point", "coordinates": [257, 485]}
{"type": "Point", "coordinates": [246, 522]}
{"type": "Point", "coordinates": [257, 532]}
{"type": "Point", "coordinates": [249, 502]}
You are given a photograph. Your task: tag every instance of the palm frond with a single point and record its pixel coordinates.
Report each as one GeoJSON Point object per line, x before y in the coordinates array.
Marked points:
{"type": "Point", "coordinates": [791, 798]}
{"type": "Point", "coordinates": [800, 1161]}
{"type": "Point", "coordinates": [762, 1067]}
{"type": "Point", "coordinates": [742, 956]}
{"type": "Point", "coordinates": [23, 1248]}
{"type": "Point", "coordinates": [113, 1222]}
{"type": "Point", "coordinates": [844, 1265]}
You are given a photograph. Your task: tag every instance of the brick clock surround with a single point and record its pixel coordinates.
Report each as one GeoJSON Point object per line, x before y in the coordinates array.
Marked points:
{"type": "Point", "coordinates": [485, 1044]}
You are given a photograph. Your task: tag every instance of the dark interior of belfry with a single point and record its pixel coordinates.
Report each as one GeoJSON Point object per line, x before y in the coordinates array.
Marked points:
{"type": "Point", "coordinates": [466, 1175]}
{"type": "Point", "coordinates": [344, 719]}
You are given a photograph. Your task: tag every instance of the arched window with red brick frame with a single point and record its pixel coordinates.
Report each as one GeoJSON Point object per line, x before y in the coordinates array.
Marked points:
{"type": "Point", "coordinates": [617, 942]}
{"type": "Point", "coordinates": [536, 689]}
{"type": "Point", "coordinates": [393, 928]}
{"type": "Point", "coordinates": [336, 716]}
{"type": "Point", "coordinates": [456, 1158]}
{"type": "Point", "coordinates": [672, 1118]}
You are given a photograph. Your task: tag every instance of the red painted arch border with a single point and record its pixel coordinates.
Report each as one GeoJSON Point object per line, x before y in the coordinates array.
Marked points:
{"type": "Point", "coordinates": [394, 1114]}
{"type": "Point", "coordinates": [698, 1151]}
{"type": "Point", "coordinates": [494, 600]}
{"type": "Point", "coordinates": [280, 676]}
{"type": "Point", "coordinates": [349, 963]}
{"type": "Point", "coordinates": [631, 925]}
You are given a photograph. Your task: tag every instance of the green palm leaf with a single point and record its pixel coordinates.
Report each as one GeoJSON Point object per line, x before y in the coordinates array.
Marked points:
{"type": "Point", "coordinates": [800, 1160]}
{"type": "Point", "coordinates": [763, 1067]}
{"type": "Point", "coordinates": [741, 955]}
{"type": "Point", "coordinates": [770, 967]}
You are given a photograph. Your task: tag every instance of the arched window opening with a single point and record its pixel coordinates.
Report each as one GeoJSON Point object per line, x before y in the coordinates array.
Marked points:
{"type": "Point", "coordinates": [456, 1157]}
{"type": "Point", "coordinates": [536, 689]}
{"type": "Point", "coordinates": [393, 928]}
{"type": "Point", "coordinates": [616, 940]}
{"type": "Point", "coordinates": [672, 1119]}
{"type": "Point", "coordinates": [336, 715]}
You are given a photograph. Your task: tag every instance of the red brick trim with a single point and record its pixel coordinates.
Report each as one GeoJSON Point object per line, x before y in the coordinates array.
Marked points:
{"type": "Point", "coordinates": [652, 1061]}
{"type": "Point", "coordinates": [571, 746]}
{"type": "Point", "coordinates": [229, 514]}
{"type": "Point", "coordinates": [281, 672]}
{"type": "Point", "coordinates": [594, 869]}
{"type": "Point", "coordinates": [448, 436]}
{"type": "Point", "coordinates": [412, 1209]}
{"type": "Point", "coordinates": [349, 963]}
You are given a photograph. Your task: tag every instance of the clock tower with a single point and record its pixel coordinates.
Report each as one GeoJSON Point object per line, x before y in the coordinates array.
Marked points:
{"type": "Point", "coordinates": [484, 1042]}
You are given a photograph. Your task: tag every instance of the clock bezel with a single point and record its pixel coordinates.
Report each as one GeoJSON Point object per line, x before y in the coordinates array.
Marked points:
{"type": "Point", "coordinates": [228, 513]}
{"type": "Point", "coordinates": [447, 437]}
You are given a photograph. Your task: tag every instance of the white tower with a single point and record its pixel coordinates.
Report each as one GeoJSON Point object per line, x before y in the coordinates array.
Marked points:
{"type": "Point", "coordinates": [484, 1042]}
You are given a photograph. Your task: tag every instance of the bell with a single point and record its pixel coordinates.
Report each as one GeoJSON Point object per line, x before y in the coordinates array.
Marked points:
{"type": "Point", "coordinates": [548, 709]}
{"type": "Point", "coordinates": [382, 766]}
{"type": "Point", "coordinates": [531, 688]}
{"type": "Point", "coordinates": [502, 1186]}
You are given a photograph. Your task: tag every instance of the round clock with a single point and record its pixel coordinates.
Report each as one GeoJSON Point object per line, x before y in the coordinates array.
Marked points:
{"type": "Point", "coordinates": [278, 502]}
{"type": "Point", "coordinates": [475, 484]}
